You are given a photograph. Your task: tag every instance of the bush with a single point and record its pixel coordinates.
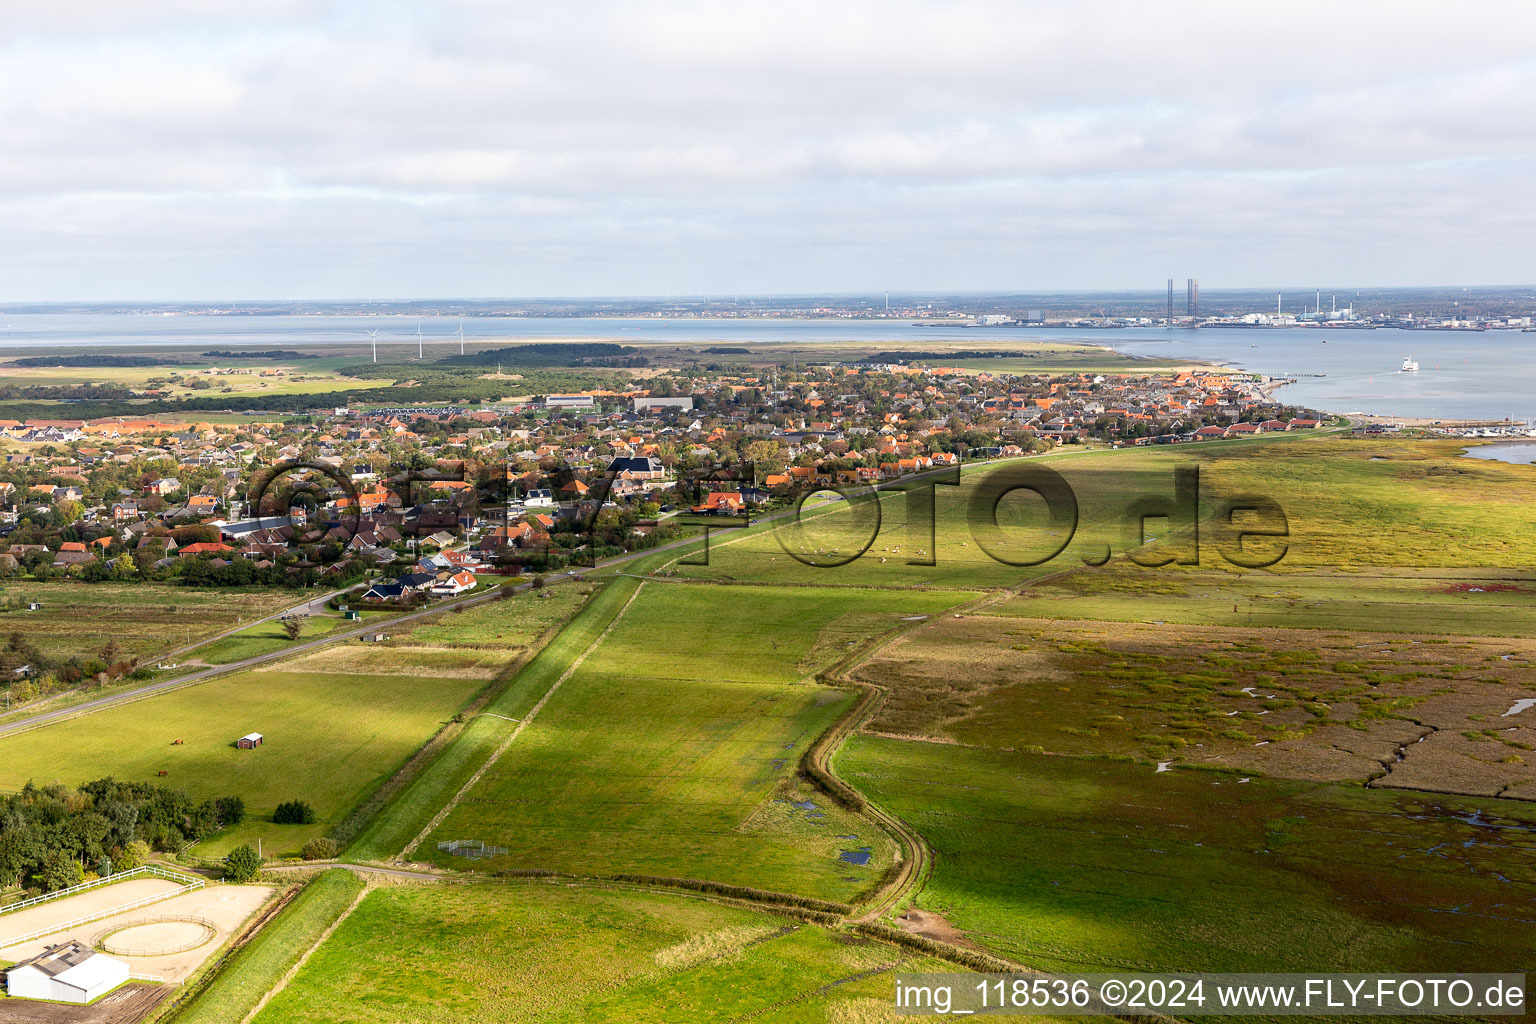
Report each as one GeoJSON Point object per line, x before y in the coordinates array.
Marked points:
{"type": "Point", "coordinates": [320, 848]}
{"type": "Point", "coordinates": [242, 864]}
{"type": "Point", "coordinates": [294, 812]}
{"type": "Point", "coordinates": [135, 854]}
{"type": "Point", "coordinates": [230, 809]}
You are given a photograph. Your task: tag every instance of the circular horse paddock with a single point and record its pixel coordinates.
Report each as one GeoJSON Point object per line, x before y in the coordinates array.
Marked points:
{"type": "Point", "coordinates": [158, 937]}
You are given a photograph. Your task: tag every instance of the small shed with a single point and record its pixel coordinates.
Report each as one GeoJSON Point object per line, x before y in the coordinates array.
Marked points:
{"type": "Point", "coordinates": [351, 615]}
{"type": "Point", "coordinates": [374, 638]}
{"type": "Point", "coordinates": [250, 741]}
{"type": "Point", "coordinates": [66, 973]}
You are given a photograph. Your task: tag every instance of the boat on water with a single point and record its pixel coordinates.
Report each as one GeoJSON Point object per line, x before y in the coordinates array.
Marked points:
{"type": "Point", "coordinates": [1409, 366]}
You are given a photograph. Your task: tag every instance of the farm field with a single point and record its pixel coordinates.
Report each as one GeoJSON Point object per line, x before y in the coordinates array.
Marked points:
{"type": "Point", "coordinates": [1080, 864]}
{"type": "Point", "coordinates": [583, 954]}
{"type": "Point", "coordinates": [77, 619]}
{"type": "Point", "coordinates": [1350, 505]}
{"type": "Point", "coordinates": [331, 737]}
{"type": "Point", "coordinates": [643, 763]}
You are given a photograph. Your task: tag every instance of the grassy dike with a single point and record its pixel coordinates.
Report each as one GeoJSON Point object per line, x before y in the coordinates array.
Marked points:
{"type": "Point", "coordinates": [256, 967]}
{"type": "Point", "coordinates": [413, 809]}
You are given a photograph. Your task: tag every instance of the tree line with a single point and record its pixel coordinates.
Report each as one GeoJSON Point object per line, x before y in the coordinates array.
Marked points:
{"type": "Point", "coordinates": [52, 836]}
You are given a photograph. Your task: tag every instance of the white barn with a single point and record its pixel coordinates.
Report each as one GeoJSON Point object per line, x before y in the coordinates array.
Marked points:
{"type": "Point", "coordinates": [66, 973]}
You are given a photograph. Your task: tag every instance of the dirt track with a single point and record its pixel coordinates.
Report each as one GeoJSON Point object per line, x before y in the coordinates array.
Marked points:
{"type": "Point", "coordinates": [126, 1005]}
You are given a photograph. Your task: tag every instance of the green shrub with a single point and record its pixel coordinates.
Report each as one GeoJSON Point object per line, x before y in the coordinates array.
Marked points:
{"type": "Point", "coordinates": [320, 848]}
{"type": "Point", "coordinates": [294, 812]}
{"type": "Point", "coordinates": [242, 864]}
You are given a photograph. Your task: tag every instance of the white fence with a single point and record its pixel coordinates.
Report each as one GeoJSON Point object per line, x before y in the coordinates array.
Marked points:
{"type": "Point", "coordinates": [145, 977]}
{"type": "Point", "coordinates": [185, 883]}
{"type": "Point", "coordinates": [122, 876]}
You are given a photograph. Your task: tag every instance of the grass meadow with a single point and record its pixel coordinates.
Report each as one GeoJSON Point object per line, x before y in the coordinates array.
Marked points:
{"type": "Point", "coordinates": [412, 810]}
{"type": "Point", "coordinates": [665, 752]}
{"type": "Point", "coordinates": [1351, 506]}
{"type": "Point", "coordinates": [1482, 602]}
{"type": "Point", "coordinates": [507, 625]}
{"type": "Point", "coordinates": [265, 638]}
{"type": "Point", "coordinates": [143, 618]}
{"type": "Point", "coordinates": [318, 376]}
{"type": "Point", "coordinates": [261, 963]}
{"type": "Point", "coordinates": [1078, 864]}
{"type": "Point", "coordinates": [535, 950]}
{"type": "Point", "coordinates": [331, 737]}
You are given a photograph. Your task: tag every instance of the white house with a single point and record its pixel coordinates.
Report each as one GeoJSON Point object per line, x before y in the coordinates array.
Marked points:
{"type": "Point", "coordinates": [540, 497]}
{"type": "Point", "coordinates": [66, 973]}
{"type": "Point", "coordinates": [454, 584]}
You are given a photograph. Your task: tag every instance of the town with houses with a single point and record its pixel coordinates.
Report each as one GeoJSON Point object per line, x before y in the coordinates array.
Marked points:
{"type": "Point", "coordinates": [422, 499]}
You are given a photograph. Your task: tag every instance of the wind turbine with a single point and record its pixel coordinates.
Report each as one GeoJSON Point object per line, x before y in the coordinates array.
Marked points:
{"type": "Point", "coordinates": [461, 337]}
{"type": "Point", "coordinates": [373, 336]}
{"type": "Point", "coordinates": [418, 339]}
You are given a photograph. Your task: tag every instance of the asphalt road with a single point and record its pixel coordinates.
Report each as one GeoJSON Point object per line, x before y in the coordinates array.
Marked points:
{"type": "Point", "coordinates": [150, 689]}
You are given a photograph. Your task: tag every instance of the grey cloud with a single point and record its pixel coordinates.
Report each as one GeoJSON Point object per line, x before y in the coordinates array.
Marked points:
{"type": "Point", "coordinates": [481, 148]}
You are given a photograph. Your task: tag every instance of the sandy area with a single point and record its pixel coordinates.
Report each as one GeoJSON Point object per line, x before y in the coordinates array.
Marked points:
{"type": "Point", "coordinates": [156, 937]}
{"type": "Point", "coordinates": [93, 901]}
{"type": "Point", "coordinates": [226, 906]}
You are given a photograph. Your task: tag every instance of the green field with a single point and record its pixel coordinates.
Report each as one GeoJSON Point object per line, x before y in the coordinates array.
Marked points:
{"type": "Point", "coordinates": [413, 809]}
{"type": "Point", "coordinates": [77, 619]}
{"type": "Point", "coordinates": [261, 963]}
{"type": "Point", "coordinates": [1086, 864]}
{"type": "Point", "coordinates": [504, 625]}
{"type": "Point", "coordinates": [651, 761]}
{"type": "Point", "coordinates": [1098, 788]}
{"type": "Point", "coordinates": [265, 638]}
{"type": "Point", "coordinates": [532, 950]}
{"type": "Point", "coordinates": [330, 739]}
{"type": "Point", "coordinates": [1036, 354]}
{"type": "Point", "coordinates": [1350, 505]}
{"type": "Point", "coordinates": [1484, 602]}
{"type": "Point", "coordinates": [300, 377]}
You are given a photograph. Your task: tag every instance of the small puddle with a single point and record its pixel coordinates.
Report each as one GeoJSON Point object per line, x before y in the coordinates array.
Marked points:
{"type": "Point", "coordinates": [1162, 766]}
{"type": "Point", "coordinates": [1523, 704]}
{"type": "Point", "coordinates": [859, 856]}
{"type": "Point", "coordinates": [804, 805]}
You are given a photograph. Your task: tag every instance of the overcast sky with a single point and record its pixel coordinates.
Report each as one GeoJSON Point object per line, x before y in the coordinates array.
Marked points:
{"type": "Point", "coordinates": [153, 149]}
